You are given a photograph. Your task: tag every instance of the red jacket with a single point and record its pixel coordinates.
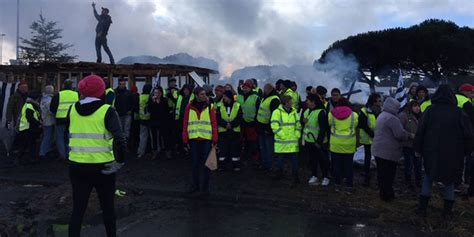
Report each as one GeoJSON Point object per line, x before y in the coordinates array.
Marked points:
{"type": "Point", "coordinates": [186, 118]}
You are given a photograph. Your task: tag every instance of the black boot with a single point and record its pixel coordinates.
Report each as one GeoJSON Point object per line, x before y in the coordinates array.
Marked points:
{"type": "Point", "coordinates": [448, 209]}
{"type": "Point", "coordinates": [421, 210]}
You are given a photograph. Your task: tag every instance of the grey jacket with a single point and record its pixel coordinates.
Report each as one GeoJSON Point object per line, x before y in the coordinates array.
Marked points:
{"type": "Point", "coordinates": [46, 115]}
{"type": "Point", "coordinates": [389, 133]}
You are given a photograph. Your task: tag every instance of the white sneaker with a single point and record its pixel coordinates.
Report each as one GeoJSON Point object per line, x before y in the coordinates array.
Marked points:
{"type": "Point", "coordinates": [325, 182]}
{"type": "Point", "coordinates": [313, 180]}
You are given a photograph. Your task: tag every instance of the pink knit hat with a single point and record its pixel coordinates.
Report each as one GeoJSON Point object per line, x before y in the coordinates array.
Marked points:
{"type": "Point", "coordinates": [92, 86]}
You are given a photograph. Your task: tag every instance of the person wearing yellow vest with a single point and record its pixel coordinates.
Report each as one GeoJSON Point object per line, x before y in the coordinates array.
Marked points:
{"type": "Point", "coordinates": [229, 117]}
{"type": "Point", "coordinates": [270, 102]}
{"type": "Point", "coordinates": [249, 102]}
{"type": "Point", "coordinates": [59, 106]}
{"type": "Point", "coordinates": [286, 126]}
{"type": "Point", "coordinates": [219, 92]}
{"type": "Point", "coordinates": [200, 133]}
{"type": "Point", "coordinates": [287, 91]}
{"type": "Point", "coordinates": [143, 116]}
{"type": "Point", "coordinates": [109, 93]}
{"type": "Point", "coordinates": [172, 93]}
{"type": "Point", "coordinates": [185, 97]}
{"type": "Point", "coordinates": [342, 143]}
{"type": "Point", "coordinates": [423, 98]}
{"type": "Point", "coordinates": [29, 130]}
{"type": "Point", "coordinates": [367, 118]}
{"type": "Point", "coordinates": [257, 89]}
{"type": "Point", "coordinates": [315, 128]}
{"type": "Point", "coordinates": [297, 96]}
{"type": "Point", "coordinates": [96, 152]}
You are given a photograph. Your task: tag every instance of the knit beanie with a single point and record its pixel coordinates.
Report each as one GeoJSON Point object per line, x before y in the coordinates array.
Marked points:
{"type": "Point", "coordinates": [92, 86]}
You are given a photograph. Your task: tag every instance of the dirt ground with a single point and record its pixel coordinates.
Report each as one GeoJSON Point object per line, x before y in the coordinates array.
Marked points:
{"type": "Point", "coordinates": [35, 200]}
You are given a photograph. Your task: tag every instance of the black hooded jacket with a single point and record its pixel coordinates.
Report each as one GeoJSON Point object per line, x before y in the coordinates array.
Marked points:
{"type": "Point", "coordinates": [112, 124]}
{"type": "Point", "coordinates": [444, 137]}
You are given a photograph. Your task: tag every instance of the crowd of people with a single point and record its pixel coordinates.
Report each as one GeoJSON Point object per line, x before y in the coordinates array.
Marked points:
{"type": "Point", "coordinates": [251, 127]}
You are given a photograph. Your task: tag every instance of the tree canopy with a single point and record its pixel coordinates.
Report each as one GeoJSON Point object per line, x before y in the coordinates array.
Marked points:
{"type": "Point", "coordinates": [434, 48]}
{"type": "Point", "coordinates": [43, 45]}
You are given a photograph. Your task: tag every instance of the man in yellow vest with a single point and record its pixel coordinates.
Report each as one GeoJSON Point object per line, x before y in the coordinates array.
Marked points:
{"type": "Point", "coordinates": [287, 91]}
{"type": "Point", "coordinates": [270, 102]}
{"type": "Point", "coordinates": [229, 117]}
{"type": "Point", "coordinates": [342, 143]}
{"type": "Point", "coordinates": [367, 117]}
{"type": "Point", "coordinates": [95, 130]}
{"type": "Point", "coordinates": [249, 102]}
{"type": "Point", "coordinates": [59, 106]}
{"type": "Point", "coordinates": [423, 98]}
{"type": "Point", "coordinates": [200, 133]}
{"type": "Point", "coordinates": [286, 126]}
{"type": "Point", "coordinates": [315, 128]}
{"type": "Point", "coordinates": [29, 130]}
{"type": "Point", "coordinates": [109, 94]}
{"type": "Point", "coordinates": [185, 97]}
{"type": "Point", "coordinates": [143, 117]}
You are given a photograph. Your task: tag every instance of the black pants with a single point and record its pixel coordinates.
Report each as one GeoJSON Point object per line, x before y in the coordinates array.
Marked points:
{"type": "Point", "coordinates": [229, 149]}
{"type": "Point", "coordinates": [84, 177]}
{"type": "Point", "coordinates": [134, 135]}
{"type": "Point", "coordinates": [386, 171]}
{"type": "Point", "coordinates": [24, 146]}
{"type": "Point", "coordinates": [342, 165]}
{"type": "Point", "coordinates": [317, 158]}
{"type": "Point", "coordinates": [471, 182]}
{"type": "Point", "coordinates": [102, 42]}
{"type": "Point", "coordinates": [367, 161]}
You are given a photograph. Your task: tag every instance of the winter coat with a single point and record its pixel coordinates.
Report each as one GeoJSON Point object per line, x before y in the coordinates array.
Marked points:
{"type": "Point", "coordinates": [159, 113]}
{"type": "Point", "coordinates": [265, 129]}
{"type": "Point", "coordinates": [124, 103]}
{"type": "Point", "coordinates": [410, 124]}
{"type": "Point", "coordinates": [48, 118]}
{"type": "Point", "coordinates": [389, 132]}
{"type": "Point", "coordinates": [103, 24]}
{"type": "Point", "coordinates": [444, 137]}
{"type": "Point", "coordinates": [15, 104]}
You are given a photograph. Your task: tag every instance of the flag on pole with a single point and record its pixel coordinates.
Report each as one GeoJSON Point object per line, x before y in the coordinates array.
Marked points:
{"type": "Point", "coordinates": [400, 94]}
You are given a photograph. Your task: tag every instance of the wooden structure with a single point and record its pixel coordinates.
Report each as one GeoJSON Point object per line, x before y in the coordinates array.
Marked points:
{"type": "Point", "coordinates": [40, 74]}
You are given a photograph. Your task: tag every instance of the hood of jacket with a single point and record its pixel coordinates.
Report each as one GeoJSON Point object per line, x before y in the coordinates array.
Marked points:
{"type": "Point", "coordinates": [341, 112]}
{"type": "Point", "coordinates": [391, 105]}
{"type": "Point", "coordinates": [88, 108]}
{"type": "Point", "coordinates": [444, 95]}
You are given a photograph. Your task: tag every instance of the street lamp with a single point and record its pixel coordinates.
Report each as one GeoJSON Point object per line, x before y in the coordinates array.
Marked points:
{"type": "Point", "coordinates": [1, 48]}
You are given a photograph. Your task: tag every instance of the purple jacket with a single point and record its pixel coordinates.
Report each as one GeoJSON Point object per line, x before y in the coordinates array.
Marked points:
{"type": "Point", "coordinates": [389, 133]}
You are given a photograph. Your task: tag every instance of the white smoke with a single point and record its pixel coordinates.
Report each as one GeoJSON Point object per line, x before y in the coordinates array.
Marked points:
{"type": "Point", "coordinates": [337, 71]}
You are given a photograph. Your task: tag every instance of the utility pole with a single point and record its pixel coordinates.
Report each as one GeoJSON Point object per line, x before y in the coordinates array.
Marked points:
{"type": "Point", "coordinates": [1, 48]}
{"type": "Point", "coordinates": [17, 30]}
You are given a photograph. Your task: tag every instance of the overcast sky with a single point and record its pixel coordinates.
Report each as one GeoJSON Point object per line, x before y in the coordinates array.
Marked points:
{"type": "Point", "coordinates": [235, 33]}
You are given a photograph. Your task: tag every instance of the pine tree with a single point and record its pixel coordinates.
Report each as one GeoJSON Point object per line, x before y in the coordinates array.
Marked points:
{"type": "Point", "coordinates": [42, 47]}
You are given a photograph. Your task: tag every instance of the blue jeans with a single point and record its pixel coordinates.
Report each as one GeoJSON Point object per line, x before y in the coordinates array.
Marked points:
{"type": "Point", "coordinates": [411, 162]}
{"type": "Point", "coordinates": [294, 161]}
{"type": "Point", "coordinates": [62, 140]}
{"type": "Point", "coordinates": [266, 143]}
{"type": "Point", "coordinates": [47, 142]}
{"type": "Point", "coordinates": [448, 191]}
{"type": "Point", "coordinates": [199, 153]}
{"type": "Point", "coordinates": [342, 168]}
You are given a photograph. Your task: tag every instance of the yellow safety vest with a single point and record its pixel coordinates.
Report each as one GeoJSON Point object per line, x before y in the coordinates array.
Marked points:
{"type": "Point", "coordinates": [107, 91]}
{"type": "Point", "coordinates": [249, 107]}
{"type": "Point", "coordinates": [66, 99]}
{"type": "Point", "coordinates": [425, 105]}
{"type": "Point", "coordinates": [179, 103]}
{"type": "Point", "coordinates": [462, 99]}
{"type": "Point", "coordinates": [364, 138]}
{"type": "Point", "coordinates": [264, 114]}
{"type": "Point", "coordinates": [174, 96]}
{"type": "Point", "coordinates": [142, 107]}
{"type": "Point", "coordinates": [89, 140]}
{"type": "Point", "coordinates": [343, 134]}
{"type": "Point", "coordinates": [200, 127]}
{"type": "Point", "coordinates": [24, 124]}
{"type": "Point", "coordinates": [311, 128]}
{"type": "Point", "coordinates": [229, 118]}
{"type": "Point", "coordinates": [287, 130]}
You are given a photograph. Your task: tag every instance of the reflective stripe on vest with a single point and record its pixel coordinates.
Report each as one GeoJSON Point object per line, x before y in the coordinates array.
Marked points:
{"type": "Point", "coordinates": [287, 129]}
{"type": "Point", "coordinates": [229, 118]}
{"type": "Point", "coordinates": [66, 99]}
{"type": "Point", "coordinates": [24, 124]}
{"type": "Point", "coordinates": [179, 104]}
{"type": "Point", "coordinates": [425, 105]}
{"type": "Point", "coordinates": [200, 127]}
{"type": "Point", "coordinates": [334, 130]}
{"type": "Point", "coordinates": [311, 128]}
{"type": "Point", "coordinates": [264, 113]}
{"type": "Point", "coordinates": [143, 111]}
{"type": "Point", "coordinates": [365, 139]}
{"type": "Point", "coordinates": [343, 138]}
{"type": "Point", "coordinates": [89, 140]}
{"type": "Point", "coordinates": [249, 110]}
